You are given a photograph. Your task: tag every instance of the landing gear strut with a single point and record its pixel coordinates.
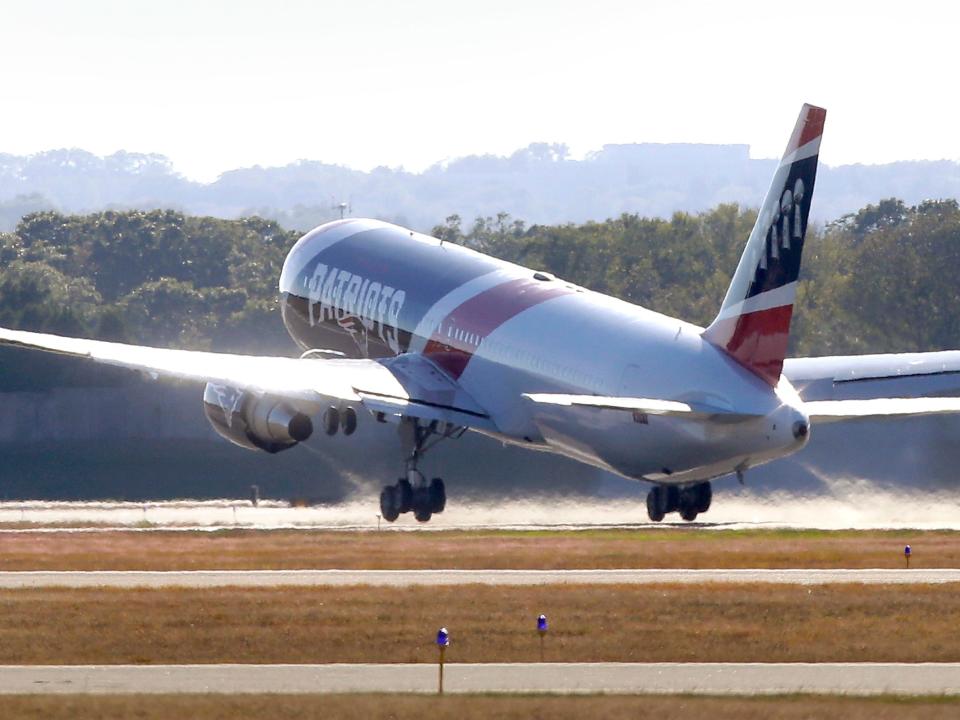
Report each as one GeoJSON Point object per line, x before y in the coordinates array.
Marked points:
{"type": "Point", "coordinates": [688, 500]}
{"type": "Point", "coordinates": [413, 492]}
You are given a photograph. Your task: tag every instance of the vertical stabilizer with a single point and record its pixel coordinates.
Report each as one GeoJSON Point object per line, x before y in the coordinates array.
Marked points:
{"type": "Point", "coordinates": [754, 320]}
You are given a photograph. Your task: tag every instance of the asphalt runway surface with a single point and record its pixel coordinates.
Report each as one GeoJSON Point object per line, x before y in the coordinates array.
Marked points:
{"type": "Point", "coordinates": [407, 578]}
{"type": "Point", "coordinates": [632, 678]}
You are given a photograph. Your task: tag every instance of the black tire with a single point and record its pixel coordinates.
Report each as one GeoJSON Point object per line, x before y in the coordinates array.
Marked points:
{"type": "Point", "coordinates": [349, 421]}
{"type": "Point", "coordinates": [421, 504]}
{"type": "Point", "coordinates": [673, 499]}
{"type": "Point", "coordinates": [331, 420]}
{"type": "Point", "coordinates": [655, 504]}
{"type": "Point", "coordinates": [438, 495]}
{"type": "Point", "coordinates": [389, 508]}
{"type": "Point", "coordinates": [688, 501]}
{"type": "Point", "coordinates": [404, 495]}
{"type": "Point", "coordinates": [704, 497]}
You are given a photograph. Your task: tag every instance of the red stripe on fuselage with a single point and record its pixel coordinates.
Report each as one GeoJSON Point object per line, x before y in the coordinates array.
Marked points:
{"type": "Point", "coordinates": [758, 340]}
{"type": "Point", "coordinates": [458, 336]}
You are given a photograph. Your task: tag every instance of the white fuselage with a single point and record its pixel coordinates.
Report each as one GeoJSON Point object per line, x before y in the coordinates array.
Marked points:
{"type": "Point", "coordinates": [588, 343]}
{"type": "Point", "coordinates": [504, 331]}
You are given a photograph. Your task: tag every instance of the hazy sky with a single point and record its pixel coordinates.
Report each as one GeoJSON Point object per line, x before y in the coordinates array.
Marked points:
{"type": "Point", "coordinates": [222, 84]}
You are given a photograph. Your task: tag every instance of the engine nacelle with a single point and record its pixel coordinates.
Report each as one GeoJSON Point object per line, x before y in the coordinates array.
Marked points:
{"type": "Point", "coordinates": [256, 422]}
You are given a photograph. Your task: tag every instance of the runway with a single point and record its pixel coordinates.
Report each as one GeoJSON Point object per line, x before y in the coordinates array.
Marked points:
{"type": "Point", "coordinates": [840, 506]}
{"type": "Point", "coordinates": [407, 578]}
{"type": "Point", "coordinates": [630, 678]}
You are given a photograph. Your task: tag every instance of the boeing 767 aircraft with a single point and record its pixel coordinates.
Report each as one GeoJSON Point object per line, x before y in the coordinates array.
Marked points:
{"type": "Point", "coordinates": [440, 339]}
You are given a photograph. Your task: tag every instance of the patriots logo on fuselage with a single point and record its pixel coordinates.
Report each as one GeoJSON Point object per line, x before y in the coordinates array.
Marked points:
{"type": "Point", "coordinates": [356, 304]}
{"type": "Point", "coordinates": [228, 399]}
{"type": "Point", "coordinates": [355, 327]}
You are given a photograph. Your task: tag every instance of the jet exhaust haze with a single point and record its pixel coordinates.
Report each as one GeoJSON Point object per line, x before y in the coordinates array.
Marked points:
{"type": "Point", "coordinates": [840, 508]}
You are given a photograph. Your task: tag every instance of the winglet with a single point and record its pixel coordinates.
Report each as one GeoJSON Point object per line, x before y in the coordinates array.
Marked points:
{"type": "Point", "coordinates": [753, 325]}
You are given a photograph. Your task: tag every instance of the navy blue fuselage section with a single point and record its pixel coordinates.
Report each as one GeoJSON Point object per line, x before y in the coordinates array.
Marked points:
{"type": "Point", "coordinates": [362, 287]}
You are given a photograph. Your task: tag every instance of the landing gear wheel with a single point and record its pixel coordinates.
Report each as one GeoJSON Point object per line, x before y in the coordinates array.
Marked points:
{"type": "Point", "coordinates": [389, 507]}
{"type": "Point", "coordinates": [688, 502]}
{"type": "Point", "coordinates": [655, 502]}
{"type": "Point", "coordinates": [438, 495]}
{"type": "Point", "coordinates": [404, 495]}
{"type": "Point", "coordinates": [672, 495]}
{"type": "Point", "coordinates": [422, 510]}
{"type": "Point", "coordinates": [704, 497]}
{"type": "Point", "coordinates": [413, 491]}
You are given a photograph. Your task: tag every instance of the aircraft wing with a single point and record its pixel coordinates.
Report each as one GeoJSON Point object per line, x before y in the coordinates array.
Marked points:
{"type": "Point", "coordinates": [405, 385]}
{"type": "Point", "coordinates": [648, 406]}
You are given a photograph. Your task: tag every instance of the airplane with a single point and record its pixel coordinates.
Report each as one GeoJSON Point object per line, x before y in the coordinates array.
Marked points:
{"type": "Point", "coordinates": [440, 339]}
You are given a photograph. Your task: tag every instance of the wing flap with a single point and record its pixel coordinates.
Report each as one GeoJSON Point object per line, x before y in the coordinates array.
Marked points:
{"type": "Point", "coordinates": [427, 393]}
{"type": "Point", "coordinates": [412, 407]}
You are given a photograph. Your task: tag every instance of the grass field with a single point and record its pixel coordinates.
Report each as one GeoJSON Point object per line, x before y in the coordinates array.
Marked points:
{"type": "Point", "coordinates": [714, 623]}
{"type": "Point", "coordinates": [382, 707]}
{"type": "Point", "coordinates": [661, 548]}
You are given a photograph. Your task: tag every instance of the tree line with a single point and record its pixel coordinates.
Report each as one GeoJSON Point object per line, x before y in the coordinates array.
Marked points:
{"type": "Point", "coordinates": [883, 279]}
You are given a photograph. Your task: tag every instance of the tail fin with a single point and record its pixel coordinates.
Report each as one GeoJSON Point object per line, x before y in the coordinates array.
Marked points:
{"type": "Point", "coordinates": [754, 321]}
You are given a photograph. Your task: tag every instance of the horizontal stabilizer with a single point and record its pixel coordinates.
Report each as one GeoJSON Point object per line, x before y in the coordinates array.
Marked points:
{"type": "Point", "coordinates": [644, 405]}
{"type": "Point", "coordinates": [857, 368]}
{"type": "Point", "coordinates": [824, 411]}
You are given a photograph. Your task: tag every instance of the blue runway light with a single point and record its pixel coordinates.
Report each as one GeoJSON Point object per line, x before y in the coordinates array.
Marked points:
{"type": "Point", "coordinates": [443, 639]}
{"type": "Point", "coordinates": [907, 551]}
{"type": "Point", "coordinates": [542, 632]}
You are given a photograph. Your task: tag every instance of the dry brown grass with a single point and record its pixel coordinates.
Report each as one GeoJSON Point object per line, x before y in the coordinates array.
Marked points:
{"type": "Point", "coordinates": [714, 623]}
{"type": "Point", "coordinates": [667, 548]}
{"type": "Point", "coordinates": [381, 707]}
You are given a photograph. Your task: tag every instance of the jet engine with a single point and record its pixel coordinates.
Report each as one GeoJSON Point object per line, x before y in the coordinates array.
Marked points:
{"type": "Point", "coordinates": [255, 422]}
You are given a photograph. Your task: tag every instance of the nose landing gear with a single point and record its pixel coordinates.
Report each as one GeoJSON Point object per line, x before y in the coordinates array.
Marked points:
{"type": "Point", "coordinates": [689, 500]}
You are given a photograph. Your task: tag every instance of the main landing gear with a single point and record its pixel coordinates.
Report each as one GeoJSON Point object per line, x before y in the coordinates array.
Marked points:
{"type": "Point", "coordinates": [413, 492]}
{"type": "Point", "coordinates": [419, 496]}
{"type": "Point", "coordinates": [688, 500]}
